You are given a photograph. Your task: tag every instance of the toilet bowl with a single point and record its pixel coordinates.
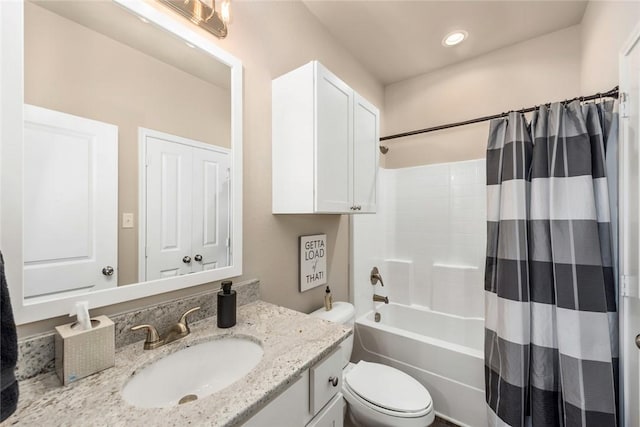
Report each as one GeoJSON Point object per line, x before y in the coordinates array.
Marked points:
{"type": "Point", "coordinates": [378, 395]}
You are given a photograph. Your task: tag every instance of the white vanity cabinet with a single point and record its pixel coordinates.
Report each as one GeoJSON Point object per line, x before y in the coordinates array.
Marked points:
{"type": "Point", "coordinates": [324, 144]}
{"type": "Point", "coordinates": [313, 400]}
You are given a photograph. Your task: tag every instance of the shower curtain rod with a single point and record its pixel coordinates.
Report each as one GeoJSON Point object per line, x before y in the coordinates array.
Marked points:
{"type": "Point", "coordinates": [613, 93]}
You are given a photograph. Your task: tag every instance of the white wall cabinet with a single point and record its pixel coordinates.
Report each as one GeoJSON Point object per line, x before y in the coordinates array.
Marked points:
{"type": "Point", "coordinates": [324, 144]}
{"type": "Point", "coordinates": [312, 401]}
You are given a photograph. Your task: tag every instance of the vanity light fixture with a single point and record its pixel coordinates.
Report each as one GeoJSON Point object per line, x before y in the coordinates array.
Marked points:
{"type": "Point", "coordinates": [203, 13]}
{"type": "Point", "coordinates": [454, 38]}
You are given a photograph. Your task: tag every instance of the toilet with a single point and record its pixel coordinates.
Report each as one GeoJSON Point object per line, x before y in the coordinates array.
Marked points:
{"type": "Point", "coordinates": [378, 395]}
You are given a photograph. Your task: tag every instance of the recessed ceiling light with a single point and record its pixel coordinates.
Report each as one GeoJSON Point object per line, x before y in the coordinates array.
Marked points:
{"type": "Point", "coordinates": [454, 38]}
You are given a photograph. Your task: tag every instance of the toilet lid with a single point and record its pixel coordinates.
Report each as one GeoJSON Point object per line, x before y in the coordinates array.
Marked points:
{"type": "Point", "coordinates": [388, 387]}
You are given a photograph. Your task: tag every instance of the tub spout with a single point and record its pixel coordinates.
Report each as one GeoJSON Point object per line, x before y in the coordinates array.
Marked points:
{"type": "Point", "coordinates": [380, 298]}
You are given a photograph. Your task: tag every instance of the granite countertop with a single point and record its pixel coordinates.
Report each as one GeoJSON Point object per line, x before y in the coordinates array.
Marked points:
{"type": "Point", "coordinates": [292, 342]}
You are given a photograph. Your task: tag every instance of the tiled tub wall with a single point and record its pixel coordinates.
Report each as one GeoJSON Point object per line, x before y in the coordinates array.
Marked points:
{"type": "Point", "coordinates": [36, 353]}
{"type": "Point", "coordinates": [434, 221]}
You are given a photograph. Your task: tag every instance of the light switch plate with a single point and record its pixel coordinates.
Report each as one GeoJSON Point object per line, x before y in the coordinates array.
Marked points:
{"type": "Point", "coordinates": [127, 220]}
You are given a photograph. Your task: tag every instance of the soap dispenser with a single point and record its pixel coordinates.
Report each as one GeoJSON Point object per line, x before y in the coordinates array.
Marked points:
{"type": "Point", "coordinates": [328, 299]}
{"type": "Point", "coordinates": [226, 306]}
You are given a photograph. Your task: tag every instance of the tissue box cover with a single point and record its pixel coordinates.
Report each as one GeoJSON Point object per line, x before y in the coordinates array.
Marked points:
{"type": "Point", "coordinates": [82, 353]}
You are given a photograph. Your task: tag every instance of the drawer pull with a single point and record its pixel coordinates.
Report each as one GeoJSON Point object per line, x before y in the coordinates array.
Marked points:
{"type": "Point", "coordinates": [333, 381]}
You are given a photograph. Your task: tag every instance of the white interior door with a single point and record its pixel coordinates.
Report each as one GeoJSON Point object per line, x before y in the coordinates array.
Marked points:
{"type": "Point", "coordinates": [334, 115]}
{"type": "Point", "coordinates": [70, 202]}
{"type": "Point", "coordinates": [365, 154]}
{"type": "Point", "coordinates": [210, 244]}
{"type": "Point", "coordinates": [629, 231]}
{"type": "Point", "coordinates": [168, 208]}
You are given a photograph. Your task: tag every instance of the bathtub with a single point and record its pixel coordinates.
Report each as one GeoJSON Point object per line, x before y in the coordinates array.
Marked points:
{"type": "Point", "coordinates": [442, 351]}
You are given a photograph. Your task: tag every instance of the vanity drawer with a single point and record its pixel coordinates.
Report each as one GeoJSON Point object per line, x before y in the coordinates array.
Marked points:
{"type": "Point", "coordinates": [325, 380]}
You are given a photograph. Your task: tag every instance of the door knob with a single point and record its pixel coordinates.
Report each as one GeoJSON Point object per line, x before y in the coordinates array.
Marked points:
{"type": "Point", "coordinates": [108, 271]}
{"type": "Point", "coordinates": [198, 257]}
{"type": "Point", "coordinates": [186, 259]}
{"type": "Point", "coordinates": [638, 340]}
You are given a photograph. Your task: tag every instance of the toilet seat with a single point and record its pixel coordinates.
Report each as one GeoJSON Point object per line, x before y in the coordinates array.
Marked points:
{"type": "Point", "coordinates": [387, 390]}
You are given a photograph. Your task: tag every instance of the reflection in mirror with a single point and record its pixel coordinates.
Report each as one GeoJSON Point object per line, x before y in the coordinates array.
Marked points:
{"type": "Point", "coordinates": [127, 152]}
{"type": "Point", "coordinates": [184, 206]}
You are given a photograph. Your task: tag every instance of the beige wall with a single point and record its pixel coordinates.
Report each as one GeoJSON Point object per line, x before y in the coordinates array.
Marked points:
{"type": "Point", "coordinates": [73, 69]}
{"type": "Point", "coordinates": [539, 70]}
{"type": "Point", "coordinates": [606, 26]}
{"type": "Point", "coordinates": [272, 38]}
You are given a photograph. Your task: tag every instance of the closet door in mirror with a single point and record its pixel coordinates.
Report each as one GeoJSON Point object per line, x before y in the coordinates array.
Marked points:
{"type": "Point", "coordinates": [210, 244]}
{"type": "Point", "coordinates": [168, 209]}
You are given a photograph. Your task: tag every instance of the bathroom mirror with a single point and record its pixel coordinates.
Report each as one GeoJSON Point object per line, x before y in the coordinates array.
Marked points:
{"type": "Point", "coordinates": [130, 157]}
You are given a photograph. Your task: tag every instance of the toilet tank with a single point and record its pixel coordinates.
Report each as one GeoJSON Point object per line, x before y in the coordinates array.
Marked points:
{"type": "Point", "coordinates": [344, 313]}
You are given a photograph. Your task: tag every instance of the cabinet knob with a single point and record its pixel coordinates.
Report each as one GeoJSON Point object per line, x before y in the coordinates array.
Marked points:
{"type": "Point", "coordinates": [198, 257]}
{"type": "Point", "coordinates": [333, 381]}
{"type": "Point", "coordinates": [186, 259]}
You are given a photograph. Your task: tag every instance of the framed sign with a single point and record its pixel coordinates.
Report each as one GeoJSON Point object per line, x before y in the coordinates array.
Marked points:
{"type": "Point", "coordinates": [313, 261]}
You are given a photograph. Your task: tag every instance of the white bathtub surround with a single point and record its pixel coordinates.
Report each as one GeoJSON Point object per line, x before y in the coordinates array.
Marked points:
{"type": "Point", "coordinates": [443, 352]}
{"type": "Point", "coordinates": [292, 343]}
{"type": "Point", "coordinates": [457, 290]}
{"type": "Point", "coordinates": [432, 217]}
{"type": "Point", "coordinates": [428, 239]}
{"type": "Point", "coordinates": [400, 274]}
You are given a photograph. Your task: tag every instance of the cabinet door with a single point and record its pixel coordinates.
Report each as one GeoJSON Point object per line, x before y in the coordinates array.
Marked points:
{"type": "Point", "coordinates": [290, 408]}
{"type": "Point", "coordinates": [168, 206]}
{"type": "Point", "coordinates": [365, 155]}
{"type": "Point", "coordinates": [331, 415]}
{"type": "Point", "coordinates": [210, 216]}
{"type": "Point", "coordinates": [334, 120]}
{"type": "Point", "coordinates": [70, 202]}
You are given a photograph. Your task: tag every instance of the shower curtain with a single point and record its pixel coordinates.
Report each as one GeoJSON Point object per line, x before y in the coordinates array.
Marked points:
{"type": "Point", "coordinates": [551, 355]}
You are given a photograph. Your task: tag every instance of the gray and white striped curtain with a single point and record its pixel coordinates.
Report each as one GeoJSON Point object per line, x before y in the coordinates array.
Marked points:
{"type": "Point", "coordinates": [551, 356]}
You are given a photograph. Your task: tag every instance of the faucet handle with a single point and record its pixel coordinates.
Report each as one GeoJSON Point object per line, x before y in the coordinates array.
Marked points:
{"type": "Point", "coordinates": [153, 339]}
{"type": "Point", "coordinates": [183, 318]}
{"type": "Point", "coordinates": [375, 276]}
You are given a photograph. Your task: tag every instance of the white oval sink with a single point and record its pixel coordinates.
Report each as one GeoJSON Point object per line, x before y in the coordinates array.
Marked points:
{"type": "Point", "coordinates": [192, 373]}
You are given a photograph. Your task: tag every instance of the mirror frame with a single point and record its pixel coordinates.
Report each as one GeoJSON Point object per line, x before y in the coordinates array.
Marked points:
{"type": "Point", "coordinates": [11, 165]}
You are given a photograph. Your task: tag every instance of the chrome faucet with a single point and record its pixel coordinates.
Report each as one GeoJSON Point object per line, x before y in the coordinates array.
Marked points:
{"type": "Point", "coordinates": [177, 331]}
{"type": "Point", "coordinates": [380, 298]}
